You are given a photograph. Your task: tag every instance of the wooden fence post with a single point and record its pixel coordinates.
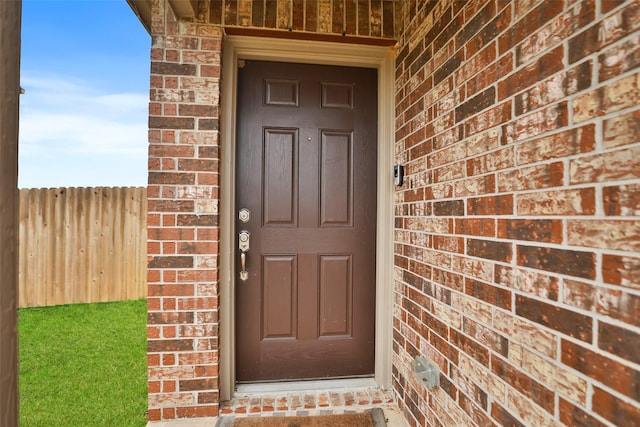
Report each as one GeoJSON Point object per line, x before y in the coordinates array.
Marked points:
{"type": "Point", "coordinates": [10, 23]}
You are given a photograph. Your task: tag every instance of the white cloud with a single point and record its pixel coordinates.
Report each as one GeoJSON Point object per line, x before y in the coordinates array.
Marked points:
{"type": "Point", "coordinates": [70, 125]}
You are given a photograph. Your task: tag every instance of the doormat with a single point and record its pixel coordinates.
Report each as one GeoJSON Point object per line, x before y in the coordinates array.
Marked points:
{"type": "Point", "coordinates": [370, 418]}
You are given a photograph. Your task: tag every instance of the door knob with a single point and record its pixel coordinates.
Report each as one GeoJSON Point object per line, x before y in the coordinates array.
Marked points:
{"type": "Point", "coordinates": [243, 245]}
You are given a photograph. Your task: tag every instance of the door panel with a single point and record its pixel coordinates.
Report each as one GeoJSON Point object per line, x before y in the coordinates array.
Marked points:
{"type": "Point", "coordinates": [306, 170]}
{"type": "Point", "coordinates": [280, 176]}
{"type": "Point", "coordinates": [336, 310]}
{"type": "Point", "coordinates": [336, 175]}
{"type": "Point", "coordinates": [279, 297]}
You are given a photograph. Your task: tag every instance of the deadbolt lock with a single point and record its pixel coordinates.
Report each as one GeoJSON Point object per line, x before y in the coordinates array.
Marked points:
{"type": "Point", "coordinates": [244, 215]}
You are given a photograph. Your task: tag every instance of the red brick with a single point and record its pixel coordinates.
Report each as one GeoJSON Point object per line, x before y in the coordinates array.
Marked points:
{"type": "Point", "coordinates": [537, 123]}
{"type": "Point", "coordinates": [445, 139]}
{"type": "Point", "coordinates": [621, 270]}
{"type": "Point", "coordinates": [528, 25]}
{"type": "Point", "coordinates": [615, 410]}
{"type": "Point", "coordinates": [488, 119]}
{"type": "Point", "coordinates": [164, 318]}
{"type": "Point", "coordinates": [440, 191]}
{"type": "Point", "coordinates": [533, 230]}
{"type": "Point", "coordinates": [153, 304]}
{"type": "Point", "coordinates": [502, 415]}
{"type": "Point", "coordinates": [208, 124]}
{"type": "Point", "coordinates": [167, 178]}
{"type": "Point", "coordinates": [204, 220]}
{"type": "Point", "coordinates": [475, 186]}
{"type": "Point", "coordinates": [623, 235]}
{"type": "Point", "coordinates": [474, 25]}
{"type": "Point", "coordinates": [449, 244]}
{"type": "Point", "coordinates": [534, 283]}
{"type": "Point", "coordinates": [490, 31]}
{"type": "Point", "coordinates": [573, 263]}
{"type": "Point", "coordinates": [558, 145]}
{"type": "Point", "coordinates": [606, 301]}
{"type": "Point", "coordinates": [154, 414]}
{"type": "Point", "coordinates": [470, 347]}
{"type": "Point", "coordinates": [171, 262]}
{"type": "Point", "coordinates": [475, 268]}
{"type": "Point", "coordinates": [197, 165]}
{"type": "Point", "coordinates": [476, 64]}
{"type": "Point", "coordinates": [619, 59]}
{"type": "Point", "coordinates": [449, 208]}
{"type": "Point", "coordinates": [448, 279]}
{"type": "Point", "coordinates": [170, 233]}
{"type": "Point", "coordinates": [485, 227]}
{"type": "Point", "coordinates": [157, 346]}
{"type": "Point", "coordinates": [620, 341]}
{"type": "Point", "coordinates": [560, 27]}
{"type": "Point", "coordinates": [197, 411]}
{"type": "Point", "coordinates": [608, 372]}
{"type": "Point", "coordinates": [156, 122]}
{"type": "Point", "coordinates": [208, 398]}
{"type": "Point", "coordinates": [541, 395]}
{"type": "Point", "coordinates": [477, 415]}
{"type": "Point", "coordinates": [444, 347]}
{"type": "Point", "coordinates": [449, 172]}
{"type": "Point", "coordinates": [169, 332]}
{"type": "Point", "coordinates": [554, 88]}
{"type": "Point", "coordinates": [488, 293]}
{"type": "Point", "coordinates": [170, 206]}
{"type": "Point", "coordinates": [173, 69]}
{"type": "Point", "coordinates": [490, 205]}
{"type": "Point", "coordinates": [531, 178]}
{"type": "Point", "coordinates": [486, 336]}
{"type": "Point", "coordinates": [606, 32]}
{"type": "Point", "coordinates": [490, 74]}
{"type": "Point", "coordinates": [450, 66]}
{"type": "Point", "coordinates": [544, 67]}
{"type": "Point", "coordinates": [560, 202]}
{"type": "Point", "coordinates": [475, 104]}
{"type": "Point", "coordinates": [613, 97]}
{"type": "Point", "coordinates": [497, 251]}
{"type": "Point", "coordinates": [572, 415]}
{"type": "Point", "coordinates": [152, 275]}
{"type": "Point", "coordinates": [608, 5]}
{"type": "Point", "coordinates": [560, 319]}
{"type": "Point", "coordinates": [197, 110]}
{"type": "Point", "coordinates": [621, 130]}
{"type": "Point", "coordinates": [491, 162]}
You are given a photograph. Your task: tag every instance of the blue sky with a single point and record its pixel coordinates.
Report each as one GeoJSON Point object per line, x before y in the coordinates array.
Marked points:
{"type": "Point", "coordinates": [83, 118]}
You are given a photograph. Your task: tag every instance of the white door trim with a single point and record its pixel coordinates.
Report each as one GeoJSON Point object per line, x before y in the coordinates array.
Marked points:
{"type": "Point", "coordinates": [271, 49]}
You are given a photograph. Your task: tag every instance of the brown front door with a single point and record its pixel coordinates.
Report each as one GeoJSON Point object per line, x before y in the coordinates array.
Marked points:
{"type": "Point", "coordinates": [306, 173]}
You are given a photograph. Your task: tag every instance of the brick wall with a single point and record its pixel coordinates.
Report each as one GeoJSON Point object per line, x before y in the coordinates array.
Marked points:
{"type": "Point", "coordinates": [517, 254]}
{"type": "Point", "coordinates": [183, 218]}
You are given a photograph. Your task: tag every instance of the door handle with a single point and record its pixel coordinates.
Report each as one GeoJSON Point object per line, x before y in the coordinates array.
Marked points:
{"type": "Point", "coordinates": [244, 274]}
{"type": "Point", "coordinates": [243, 244]}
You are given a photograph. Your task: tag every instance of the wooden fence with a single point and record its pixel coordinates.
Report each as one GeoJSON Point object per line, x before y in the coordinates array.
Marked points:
{"type": "Point", "coordinates": [81, 245]}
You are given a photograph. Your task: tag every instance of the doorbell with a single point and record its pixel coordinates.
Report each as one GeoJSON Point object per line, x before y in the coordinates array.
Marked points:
{"type": "Point", "coordinates": [398, 175]}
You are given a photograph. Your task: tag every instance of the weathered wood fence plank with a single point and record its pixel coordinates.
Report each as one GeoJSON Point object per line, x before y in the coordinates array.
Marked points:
{"type": "Point", "coordinates": [81, 245]}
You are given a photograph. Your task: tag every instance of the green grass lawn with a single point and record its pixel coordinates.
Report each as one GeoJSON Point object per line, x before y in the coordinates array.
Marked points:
{"type": "Point", "coordinates": [83, 365]}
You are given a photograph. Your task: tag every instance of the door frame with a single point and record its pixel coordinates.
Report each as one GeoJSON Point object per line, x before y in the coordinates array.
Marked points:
{"type": "Point", "coordinates": [236, 48]}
